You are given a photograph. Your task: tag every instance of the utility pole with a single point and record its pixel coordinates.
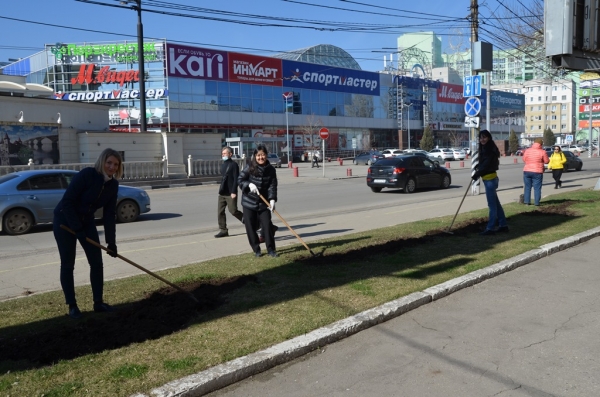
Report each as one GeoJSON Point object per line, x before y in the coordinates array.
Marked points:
{"type": "Point", "coordinates": [474, 39]}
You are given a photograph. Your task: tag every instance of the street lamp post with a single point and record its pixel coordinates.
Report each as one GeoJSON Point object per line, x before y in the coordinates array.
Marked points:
{"type": "Point", "coordinates": [140, 33]}
{"type": "Point", "coordinates": [508, 113]}
{"type": "Point", "coordinates": [408, 120]}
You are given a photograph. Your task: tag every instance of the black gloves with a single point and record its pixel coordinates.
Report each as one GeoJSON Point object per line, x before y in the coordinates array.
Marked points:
{"type": "Point", "coordinates": [475, 176]}
{"type": "Point", "coordinates": [112, 249]}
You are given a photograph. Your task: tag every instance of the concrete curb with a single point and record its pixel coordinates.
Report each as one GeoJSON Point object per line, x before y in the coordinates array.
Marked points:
{"type": "Point", "coordinates": [233, 371]}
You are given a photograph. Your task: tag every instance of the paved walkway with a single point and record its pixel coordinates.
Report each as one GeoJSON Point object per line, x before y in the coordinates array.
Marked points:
{"type": "Point", "coordinates": [526, 331]}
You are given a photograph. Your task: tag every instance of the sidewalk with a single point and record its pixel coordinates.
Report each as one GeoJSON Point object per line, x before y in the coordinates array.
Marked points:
{"type": "Point", "coordinates": [530, 331]}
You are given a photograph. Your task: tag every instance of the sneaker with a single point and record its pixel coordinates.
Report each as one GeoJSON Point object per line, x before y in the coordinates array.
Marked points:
{"type": "Point", "coordinates": [103, 308]}
{"type": "Point", "coordinates": [502, 229]}
{"type": "Point", "coordinates": [273, 254]}
{"type": "Point", "coordinates": [258, 254]}
{"type": "Point", "coordinates": [75, 313]}
{"type": "Point", "coordinates": [222, 234]}
{"type": "Point", "coordinates": [487, 232]}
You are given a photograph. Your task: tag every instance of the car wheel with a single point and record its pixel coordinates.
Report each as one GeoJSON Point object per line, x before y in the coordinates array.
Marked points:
{"type": "Point", "coordinates": [376, 189]}
{"type": "Point", "coordinates": [369, 162]}
{"type": "Point", "coordinates": [445, 182]}
{"type": "Point", "coordinates": [17, 222]}
{"type": "Point", "coordinates": [411, 186]}
{"type": "Point", "coordinates": [579, 167]}
{"type": "Point", "coordinates": [127, 211]}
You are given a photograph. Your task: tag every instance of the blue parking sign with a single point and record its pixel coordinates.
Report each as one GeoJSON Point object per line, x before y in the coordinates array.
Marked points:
{"type": "Point", "coordinates": [467, 87]}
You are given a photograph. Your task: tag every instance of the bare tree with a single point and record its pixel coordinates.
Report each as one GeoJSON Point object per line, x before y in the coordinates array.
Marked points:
{"type": "Point", "coordinates": [310, 129]}
{"type": "Point", "coordinates": [456, 137]}
{"type": "Point", "coordinates": [362, 106]}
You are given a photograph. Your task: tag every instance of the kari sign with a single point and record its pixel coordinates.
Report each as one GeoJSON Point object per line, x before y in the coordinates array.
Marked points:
{"type": "Point", "coordinates": [251, 69]}
{"type": "Point", "coordinates": [320, 77]}
{"type": "Point", "coordinates": [196, 63]}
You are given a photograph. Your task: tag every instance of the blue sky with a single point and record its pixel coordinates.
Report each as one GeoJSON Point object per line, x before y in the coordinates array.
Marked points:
{"type": "Point", "coordinates": [376, 24]}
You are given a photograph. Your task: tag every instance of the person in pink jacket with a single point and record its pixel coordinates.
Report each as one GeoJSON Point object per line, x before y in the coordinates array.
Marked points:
{"type": "Point", "coordinates": [533, 173]}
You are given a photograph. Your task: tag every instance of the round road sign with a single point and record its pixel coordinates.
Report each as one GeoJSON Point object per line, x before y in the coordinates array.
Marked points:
{"type": "Point", "coordinates": [324, 133]}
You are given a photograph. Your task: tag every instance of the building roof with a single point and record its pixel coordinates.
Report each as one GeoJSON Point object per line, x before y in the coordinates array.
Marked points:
{"type": "Point", "coordinates": [322, 54]}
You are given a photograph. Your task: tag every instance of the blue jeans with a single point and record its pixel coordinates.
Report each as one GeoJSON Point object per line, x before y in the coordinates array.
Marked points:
{"type": "Point", "coordinates": [67, 244]}
{"type": "Point", "coordinates": [532, 179]}
{"type": "Point", "coordinates": [496, 211]}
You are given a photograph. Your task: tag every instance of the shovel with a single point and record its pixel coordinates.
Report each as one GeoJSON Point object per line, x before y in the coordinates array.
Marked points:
{"type": "Point", "coordinates": [89, 240]}
{"type": "Point", "coordinates": [288, 226]}
{"type": "Point", "coordinates": [460, 205]}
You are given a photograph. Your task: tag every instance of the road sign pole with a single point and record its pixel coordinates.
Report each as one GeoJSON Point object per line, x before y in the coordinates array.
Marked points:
{"type": "Point", "coordinates": [323, 140]}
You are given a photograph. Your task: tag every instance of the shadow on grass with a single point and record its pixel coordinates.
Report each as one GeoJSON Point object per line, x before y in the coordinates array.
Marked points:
{"type": "Point", "coordinates": [167, 310]}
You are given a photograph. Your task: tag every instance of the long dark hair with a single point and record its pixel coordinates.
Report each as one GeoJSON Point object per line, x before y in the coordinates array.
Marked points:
{"type": "Point", "coordinates": [253, 169]}
{"type": "Point", "coordinates": [490, 147]}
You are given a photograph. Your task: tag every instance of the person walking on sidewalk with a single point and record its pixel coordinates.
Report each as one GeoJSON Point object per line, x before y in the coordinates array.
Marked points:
{"type": "Point", "coordinates": [533, 173]}
{"type": "Point", "coordinates": [257, 178]}
{"type": "Point", "coordinates": [557, 165]}
{"type": "Point", "coordinates": [90, 189]}
{"type": "Point", "coordinates": [315, 159]}
{"type": "Point", "coordinates": [228, 192]}
{"type": "Point", "coordinates": [489, 161]}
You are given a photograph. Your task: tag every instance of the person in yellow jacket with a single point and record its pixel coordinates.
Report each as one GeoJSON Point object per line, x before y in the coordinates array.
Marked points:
{"type": "Point", "coordinates": [557, 165]}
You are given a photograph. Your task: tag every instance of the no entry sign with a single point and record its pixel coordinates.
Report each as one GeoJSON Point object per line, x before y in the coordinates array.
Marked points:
{"type": "Point", "coordinates": [324, 133]}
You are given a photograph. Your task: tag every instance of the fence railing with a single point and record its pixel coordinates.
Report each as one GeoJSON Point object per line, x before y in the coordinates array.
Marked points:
{"type": "Point", "coordinates": [135, 170]}
{"type": "Point", "coordinates": [207, 167]}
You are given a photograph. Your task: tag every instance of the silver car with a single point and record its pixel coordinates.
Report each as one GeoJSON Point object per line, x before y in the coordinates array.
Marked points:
{"type": "Point", "coordinates": [29, 197]}
{"type": "Point", "coordinates": [274, 160]}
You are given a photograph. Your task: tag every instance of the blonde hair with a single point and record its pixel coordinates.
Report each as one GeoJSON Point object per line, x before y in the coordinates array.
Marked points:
{"type": "Point", "coordinates": [106, 153]}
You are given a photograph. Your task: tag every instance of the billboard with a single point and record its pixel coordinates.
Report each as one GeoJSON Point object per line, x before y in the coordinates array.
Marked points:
{"type": "Point", "coordinates": [252, 69]}
{"type": "Point", "coordinates": [321, 77]}
{"type": "Point", "coordinates": [196, 63]}
{"type": "Point", "coordinates": [507, 100]}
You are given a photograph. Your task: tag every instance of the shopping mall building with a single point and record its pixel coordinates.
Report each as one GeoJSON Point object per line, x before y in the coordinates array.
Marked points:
{"type": "Point", "coordinates": [245, 99]}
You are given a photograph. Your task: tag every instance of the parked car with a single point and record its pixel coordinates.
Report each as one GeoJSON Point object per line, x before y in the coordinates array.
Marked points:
{"type": "Point", "coordinates": [424, 154]}
{"type": "Point", "coordinates": [28, 198]}
{"type": "Point", "coordinates": [573, 161]}
{"type": "Point", "coordinates": [392, 152]}
{"type": "Point", "coordinates": [576, 149]}
{"type": "Point", "coordinates": [444, 154]}
{"type": "Point", "coordinates": [458, 154]}
{"type": "Point", "coordinates": [407, 172]}
{"type": "Point", "coordinates": [274, 160]}
{"type": "Point", "coordinates": [367, 158]}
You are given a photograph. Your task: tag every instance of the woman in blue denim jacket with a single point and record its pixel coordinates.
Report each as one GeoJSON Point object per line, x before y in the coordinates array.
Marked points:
{"type": "Point", "coordinates": [92, 188]}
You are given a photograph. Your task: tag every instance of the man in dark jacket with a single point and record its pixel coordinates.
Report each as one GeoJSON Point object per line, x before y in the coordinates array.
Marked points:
{"type": "Point", "coordinates": [228, 191]}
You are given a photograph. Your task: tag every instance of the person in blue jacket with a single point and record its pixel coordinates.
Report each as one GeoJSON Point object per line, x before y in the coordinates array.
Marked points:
{"type": "Point", "coordinates": [90, 189]}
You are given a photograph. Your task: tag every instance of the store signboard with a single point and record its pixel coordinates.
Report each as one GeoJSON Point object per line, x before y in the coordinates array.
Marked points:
{"type": "Point", "coordinates": [450, 93]}
{"type": "Point", "coordinates": [586, 108]}
{"type": "Point", "coordinates": [101, 53]}
{"type": "Point", "coordinates": [252, 69]}
{"type": "Point", "coordinates": [321, 77]}
{"type": "Point", "coordinates": [506, 100]}
{"type": "Point", "coordinates": [196, 63]}
{"type": "Point", "coordinates": [98, 96]}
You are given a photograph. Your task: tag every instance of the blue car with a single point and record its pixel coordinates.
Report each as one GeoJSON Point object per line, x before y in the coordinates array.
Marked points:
{"type": "Point", "coordinates": [29, 197]}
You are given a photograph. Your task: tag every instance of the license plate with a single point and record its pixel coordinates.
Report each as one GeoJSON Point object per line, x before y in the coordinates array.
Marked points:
{"type": "Point", "coordinates": [379, 181]}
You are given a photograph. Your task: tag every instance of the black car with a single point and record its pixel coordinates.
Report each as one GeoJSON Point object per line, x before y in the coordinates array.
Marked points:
{"type": "Point", "coordinates": [435, 160]}
{"type": "Point", "coordinates": [407, 172]}
{"type": "Point", "coordinates": [368, 158]}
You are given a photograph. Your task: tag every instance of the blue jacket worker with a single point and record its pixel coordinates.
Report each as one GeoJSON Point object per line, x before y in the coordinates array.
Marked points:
{"type": "Point", "coordinates": [90, 189]}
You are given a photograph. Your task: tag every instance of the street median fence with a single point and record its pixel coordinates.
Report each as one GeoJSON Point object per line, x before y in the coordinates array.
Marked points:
{"type": "Point", "coordinates": [135, 170]}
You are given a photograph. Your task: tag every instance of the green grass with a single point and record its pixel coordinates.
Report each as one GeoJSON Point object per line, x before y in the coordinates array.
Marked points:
{"type": "Point", "coordinates": [276, 299]}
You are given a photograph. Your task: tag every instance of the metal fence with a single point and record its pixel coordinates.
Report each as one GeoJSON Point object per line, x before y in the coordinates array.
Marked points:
{"type": "Point", "coordinates": [208, 167]}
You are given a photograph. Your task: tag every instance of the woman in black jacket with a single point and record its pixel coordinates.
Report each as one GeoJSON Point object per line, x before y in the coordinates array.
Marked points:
{"type": "Point", "coordinates": [92, 188]}
{"type": "Point", "coordinates": [489, 161]}
{"type": "Point", "coordinates": [259, 177]}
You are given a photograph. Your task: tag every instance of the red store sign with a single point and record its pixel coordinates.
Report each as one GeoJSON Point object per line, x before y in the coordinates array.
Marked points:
{"type": "Point", "coordinates": [104, 75]}
{"type": "Point", "coordinates": [251, 69]}
{"type": "Point", "coordinates": [450, 93]}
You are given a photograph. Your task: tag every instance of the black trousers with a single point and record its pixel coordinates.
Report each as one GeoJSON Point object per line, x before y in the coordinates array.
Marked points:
{"type": "Point", "coordinates": [255, 219]}
{"type": "Point", "coordinates": [556, 174]}
{"type": "Point", "coordinates": [231, 205]}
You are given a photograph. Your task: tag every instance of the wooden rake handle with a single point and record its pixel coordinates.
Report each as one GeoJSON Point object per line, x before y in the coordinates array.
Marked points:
{"type": "Point", "coordinates": [89, 240]}
{"type": "Point", "coordinates": [288, 226]}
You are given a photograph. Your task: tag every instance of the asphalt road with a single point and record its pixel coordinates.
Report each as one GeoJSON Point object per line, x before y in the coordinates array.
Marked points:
{"type": "Point", "coordinates": [180, 228]}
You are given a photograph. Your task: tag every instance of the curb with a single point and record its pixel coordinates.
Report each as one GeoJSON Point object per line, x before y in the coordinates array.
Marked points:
{"type": "Point", "coordinates": [240, 368]}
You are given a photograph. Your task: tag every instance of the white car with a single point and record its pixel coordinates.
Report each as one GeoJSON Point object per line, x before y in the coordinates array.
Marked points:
{"type": "Point", "coordinates": [576, 149]}
{"type": "Point", "coordinates": [458, 154]}
{"type": "Point", "coordinates": [444, 154]}
{"type": "Point", "coordinates": [392, 152]}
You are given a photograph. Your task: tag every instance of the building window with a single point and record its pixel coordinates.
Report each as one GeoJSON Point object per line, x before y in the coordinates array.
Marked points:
{"type": "Point", "coordinates": [564, 97]}
{"type": "Point", "coordinates": [554, 97]}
